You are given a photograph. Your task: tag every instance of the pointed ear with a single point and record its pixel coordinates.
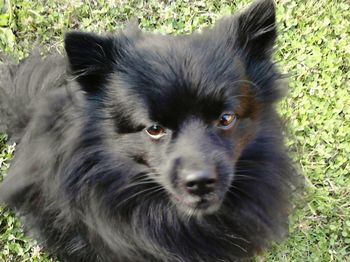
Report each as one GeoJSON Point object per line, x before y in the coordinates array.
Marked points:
{"type": "Point", "coordinates": [91, 58]}
{"type": "Point", "coordinates": [132, 27]}
{"type": "Point", "coordinates": [256, 29]}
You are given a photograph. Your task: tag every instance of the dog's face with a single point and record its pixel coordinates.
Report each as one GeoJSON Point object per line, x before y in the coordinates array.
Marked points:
{"type": "Point", "coordinates": [193, 116]}
{"type": "Point", "coordinates": [189, 104]}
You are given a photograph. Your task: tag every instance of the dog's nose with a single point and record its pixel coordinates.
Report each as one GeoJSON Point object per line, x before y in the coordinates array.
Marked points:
{"type": "Point", "coordinates": [200, 182]}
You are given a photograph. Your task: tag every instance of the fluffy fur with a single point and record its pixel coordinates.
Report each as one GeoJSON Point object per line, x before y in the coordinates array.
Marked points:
{"type": "Point", "coordinates": [92, 185]}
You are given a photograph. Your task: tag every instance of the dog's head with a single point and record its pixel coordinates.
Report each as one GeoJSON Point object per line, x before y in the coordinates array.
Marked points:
{"type": "Point", "coordinates": [184, 106]}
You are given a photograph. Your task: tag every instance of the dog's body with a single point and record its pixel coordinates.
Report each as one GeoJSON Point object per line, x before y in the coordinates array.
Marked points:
{"type": "Point", "coordinates": [152, 148]}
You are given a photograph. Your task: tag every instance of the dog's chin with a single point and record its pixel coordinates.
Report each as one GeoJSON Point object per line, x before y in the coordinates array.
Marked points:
{"type": "Point", "coordinates": [198, 206]}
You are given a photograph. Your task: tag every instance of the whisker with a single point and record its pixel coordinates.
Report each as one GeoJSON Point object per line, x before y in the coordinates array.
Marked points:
{"type": "Point", "coordinates": [155, 191]}
{"type": "Point", "coordinates": [245, 177]}
{"type": "Point", "coordinates": [140, 183]}
{"type": "Point", "coordinates": [235, 193]}
{"type": "Point", "coordinates": [138, 193]}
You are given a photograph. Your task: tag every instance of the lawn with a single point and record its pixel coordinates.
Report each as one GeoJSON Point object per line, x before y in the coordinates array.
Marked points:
{"type": "Point", "coordinates": [313, 48]}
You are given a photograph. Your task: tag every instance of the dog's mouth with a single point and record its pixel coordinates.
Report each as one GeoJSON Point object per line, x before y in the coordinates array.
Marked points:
{"type": "Point", "coordinates": [207, 204]}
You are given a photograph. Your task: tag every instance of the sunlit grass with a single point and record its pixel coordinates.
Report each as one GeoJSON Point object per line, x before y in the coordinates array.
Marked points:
{"type": "Point", "coordinates": [313, 47]}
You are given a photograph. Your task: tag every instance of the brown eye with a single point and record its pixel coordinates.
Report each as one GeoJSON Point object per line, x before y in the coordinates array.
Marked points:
{"type": "Point", "coordinates": [227, 120]}
{"type": "Point", "coordinates": [156, 131]}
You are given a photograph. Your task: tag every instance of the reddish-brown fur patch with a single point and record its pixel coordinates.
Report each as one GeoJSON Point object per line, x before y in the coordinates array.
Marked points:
{"type": "Point", "coordinates": [249, 108]}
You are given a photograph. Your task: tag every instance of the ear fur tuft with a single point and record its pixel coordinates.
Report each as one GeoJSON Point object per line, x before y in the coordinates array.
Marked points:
{"type": "Point", "coordinates": [256, 29]}
{"type": "Point", "coordinates": [91, 57]}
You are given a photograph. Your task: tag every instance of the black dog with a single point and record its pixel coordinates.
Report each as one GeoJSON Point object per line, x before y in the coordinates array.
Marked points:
{"type": "Point", "coordinates": [152, 148]}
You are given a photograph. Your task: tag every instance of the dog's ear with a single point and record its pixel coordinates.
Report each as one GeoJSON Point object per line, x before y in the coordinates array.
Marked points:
{"type": "Point", "coordinates": [256, 29]}
{"type": "Point", "coordinates": [251, 31]}
{"type": "Point", "coordinates": [91, 58]}
{"type": "Point", "coordinates": [132, 28]}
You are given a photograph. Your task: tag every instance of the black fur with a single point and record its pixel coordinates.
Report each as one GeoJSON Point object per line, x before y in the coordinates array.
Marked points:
{"type": "Point", "coordinates": [93, 186]}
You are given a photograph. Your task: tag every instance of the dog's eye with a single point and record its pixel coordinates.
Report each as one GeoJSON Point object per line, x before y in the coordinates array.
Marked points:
{"type": "Point", "coordinates": [155, 131]}
{"type": "Point", "coordinates": [227, 120]}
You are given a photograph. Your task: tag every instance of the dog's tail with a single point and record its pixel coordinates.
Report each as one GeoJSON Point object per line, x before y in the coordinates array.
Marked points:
{"type": "Point", "coordinates": [21, 83]}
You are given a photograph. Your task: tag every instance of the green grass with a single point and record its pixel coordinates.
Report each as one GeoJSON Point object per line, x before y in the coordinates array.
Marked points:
{"type": "Point", "coordinates": [313, 47]}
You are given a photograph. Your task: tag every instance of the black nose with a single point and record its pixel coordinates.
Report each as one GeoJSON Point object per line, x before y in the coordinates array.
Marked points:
{"type": "Point", "coordinates": [200, 182]}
